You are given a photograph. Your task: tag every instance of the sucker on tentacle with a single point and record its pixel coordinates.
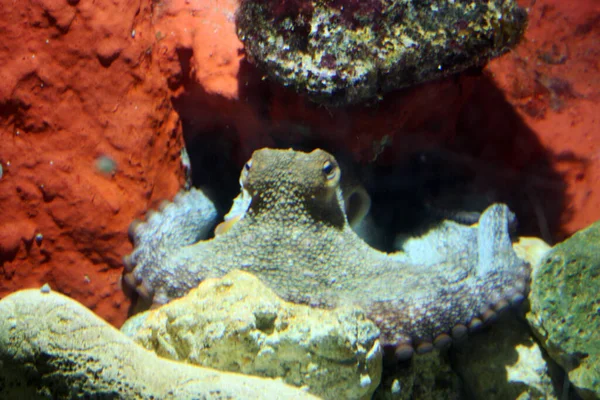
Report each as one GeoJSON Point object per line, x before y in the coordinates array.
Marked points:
{"type": "Point", "coordinates": [295, 236]}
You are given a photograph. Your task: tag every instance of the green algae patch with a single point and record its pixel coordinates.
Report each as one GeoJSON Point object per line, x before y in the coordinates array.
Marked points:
{"type": "Point", "coordinates": [565, 308]}
{"type": "Point", "coordinates": [342, 52]}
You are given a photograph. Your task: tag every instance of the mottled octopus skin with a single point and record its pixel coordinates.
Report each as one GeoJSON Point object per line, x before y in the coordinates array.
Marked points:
{"type": "Point", "coordinates": [295, 237]}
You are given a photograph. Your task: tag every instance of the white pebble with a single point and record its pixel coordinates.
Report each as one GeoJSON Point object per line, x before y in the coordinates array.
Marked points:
{"type": "Point", "coordinates": [365, 381]}
{"type": "Point", "coordinates": [396, 387]}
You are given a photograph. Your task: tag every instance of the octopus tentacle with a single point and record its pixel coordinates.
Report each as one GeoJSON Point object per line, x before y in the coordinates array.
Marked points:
{"type": "Point", "coordinates": [481, 275]}
{"type": "Point", "coordinates": [185, 221]}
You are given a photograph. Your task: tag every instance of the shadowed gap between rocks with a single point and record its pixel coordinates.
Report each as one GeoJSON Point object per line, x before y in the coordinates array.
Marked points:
{"type": "Point", "coordinates": [427, 172]}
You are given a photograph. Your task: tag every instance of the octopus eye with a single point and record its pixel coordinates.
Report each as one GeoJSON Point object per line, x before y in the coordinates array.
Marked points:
{"type": "Point", "coordinates": [245, 171]}
{"type": "Point", "coordinates": [329, 170]}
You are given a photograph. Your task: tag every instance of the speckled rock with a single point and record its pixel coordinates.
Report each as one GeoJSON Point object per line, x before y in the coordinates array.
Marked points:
{"type": "Point", "coordinates": [237, 324]}
{"type": "Point", "coordinates": [428, 377]}
{"type": "Point", "coordinates": [344, 52]}
{"type": "Point", "coordinates": [51, 347]}
{"type": "Point", "coordinates": [565, 308]}
{"type": "Point", "coordinates": [509, 364]}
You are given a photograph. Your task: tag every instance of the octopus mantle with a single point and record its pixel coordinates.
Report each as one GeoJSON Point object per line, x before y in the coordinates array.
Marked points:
{"type": "Point", "coordinates": [292, 232]}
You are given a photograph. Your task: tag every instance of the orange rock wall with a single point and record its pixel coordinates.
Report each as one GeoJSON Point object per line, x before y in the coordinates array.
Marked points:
{"type": "Point", "coordinates": [553, 81]}
{"type": "Point", "coordinates": [77, 85]}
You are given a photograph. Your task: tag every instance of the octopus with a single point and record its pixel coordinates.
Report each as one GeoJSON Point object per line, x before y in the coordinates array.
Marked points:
{"type": "Point", "coordinates": [291, 230]}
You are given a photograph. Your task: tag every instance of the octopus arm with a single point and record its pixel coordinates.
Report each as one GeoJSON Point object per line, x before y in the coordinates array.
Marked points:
{"type": "Point", "coordinates": [160, 267]}
{"type": "Point", "coordinates": [452, 278]}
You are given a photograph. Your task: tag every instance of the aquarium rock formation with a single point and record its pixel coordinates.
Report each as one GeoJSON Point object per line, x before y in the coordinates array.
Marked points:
{"type": "Point", "coordinates": [565, 308]}
{"type": "Point", "coordinates": [295, 238]}
{"type": "Point", "coordinates": [343, 52]}
{"type": "Point", "coordinates": [52, 347]}
{"type": "Point", "coordinates": [237, 324]}
{"type": "Point", "coordinates": [509, 363]}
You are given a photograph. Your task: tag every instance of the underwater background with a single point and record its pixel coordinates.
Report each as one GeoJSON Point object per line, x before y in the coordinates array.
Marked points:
{"type": "Point", "coordinates": [109, 108]}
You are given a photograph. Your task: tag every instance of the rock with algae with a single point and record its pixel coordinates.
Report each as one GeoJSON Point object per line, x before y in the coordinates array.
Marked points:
{"type": "Point", "coordinates": [52, 347]}
{"type": "Point", "coordinates": [429, 377]}
{"type": "Point", "coordinates": [238, 324]}
{"type": "Point", "coordinates": [509, 364]}
{"type": "Point", "coordinates": [565, 308]}
{"type": "Point", "coordinates": [341, 52]}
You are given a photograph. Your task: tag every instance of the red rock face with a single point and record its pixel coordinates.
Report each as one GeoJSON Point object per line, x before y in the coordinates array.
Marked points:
{"type": "Point", "coordinates": [78, 85]}
{"type": "Point", "coordinates": [552, 81]}
{"type": "Point", "coordinates": [93, 96]}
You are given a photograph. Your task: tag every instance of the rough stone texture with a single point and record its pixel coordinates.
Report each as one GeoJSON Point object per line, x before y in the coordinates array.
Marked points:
{"type": "Point", "coordinates": [531, 249]}
{"type": "Point", "coordinates": [80, 92]}
{"type": "Point", "coordinates": [531, 113]}
{"type": "Point", "coordinates": [508, 364]}
{"type": "Point", "coordinates": [428, 377]}
{"type": "Point", "coordinates": [348, 52]}
{"type": "Point", "coordinates": [53, 347]}
{"type": "Point", "coordinates": [238, 324]}
{"type": "Point", "coordinates": [552, 82]}
{"type": "Point", "coordinates": [565, 308]}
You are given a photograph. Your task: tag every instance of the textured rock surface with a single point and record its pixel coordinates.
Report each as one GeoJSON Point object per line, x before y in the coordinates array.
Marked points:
{"type": "Point", "coordinates": [53, 347]}
{"type": "Point", "coordinates": [347, 52]}
{"type": "Point", "coordinates": [551, 80]}
{"type": "Point", "coordinates": [89, 141]}
{"type": "Point", "coordinates": [238, 324]}
{"type": "Point", "coordinates": [428, 377]}
{"type": "Point", "coordinates": [508, 364]}
{"type": "Point", "coordinates": [565, 308]}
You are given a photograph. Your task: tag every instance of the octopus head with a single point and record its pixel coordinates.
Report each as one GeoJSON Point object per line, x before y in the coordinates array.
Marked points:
{"type": "Point", "coordinates": [288, 182]}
